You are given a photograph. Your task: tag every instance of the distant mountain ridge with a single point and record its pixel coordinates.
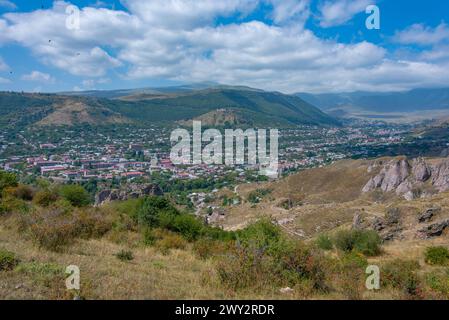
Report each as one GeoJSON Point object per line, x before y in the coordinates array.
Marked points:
{"type": "Point", "coordinates": [257, 107]}
{"type": "Point", "coordinates": [389, 102]}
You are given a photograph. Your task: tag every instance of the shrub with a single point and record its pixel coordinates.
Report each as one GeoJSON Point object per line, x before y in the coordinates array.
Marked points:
{"type": "Point", "coordinates": [170, 241]}
{"type": "Point", "coordinates": [324, 242]}
{"type": "Point", "coordinates": [10, 204]}
{"type": "Point", "coordinates": [257, 195]}
{"type": "Point", "coordinates": [44, 198]}
{"type": "Point", "coordinates": [54, 228]}
{"type": "Point", "coordinates": [7, 180]}
{"type": "Point", "coordinates": [8, 260]}
{"type": "Point", "coordinates": [22, 192]}
{"type": "Point", "coordinates": [206, 248]}
{"type": "Point", "coordinates": [439, 282]}
{"type": "Point", "coordinates": [41, 272]}
{"type": "Point", "coordinates": [153, 209]}
{"type": "Point", "coordinates": [402, 275]}
{"type": "Point", "coordinates": [261, 235]}
{"type": "Point", "coordinates": [188, 226]}
{"type": "Point", "coordinates": [125, 255]}
{"type": "Point", "coordinates": [437, 256]}
{"type": "Point", "coordinates": [366, 242]}
{"type": "Point", "coordinates": [75, 194]}
{"type": "Point", "coordinates": [350, 274]}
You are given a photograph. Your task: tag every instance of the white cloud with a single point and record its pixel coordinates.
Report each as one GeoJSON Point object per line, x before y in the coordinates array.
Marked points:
{"type": "Point", "coordinates": [178, 40]}
{"type": "Point", "coordinates": [334, 13]}
{"type": "Point", "coordinates": [38, 76]}
{"type": "Point", "coordinates": [289, 10]}
{"type": "Point", "coordinates": [186, 14]}
{"type": "Point", "coordinates": [7, 4]}
{"type": "Point", "coordinates": [420, 34]}
{"type": "Point", "coordinates": [4, 80]}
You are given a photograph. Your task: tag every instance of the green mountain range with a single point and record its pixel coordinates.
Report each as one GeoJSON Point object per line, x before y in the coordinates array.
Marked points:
{"type": "Point", "coordinates": [250, 106]}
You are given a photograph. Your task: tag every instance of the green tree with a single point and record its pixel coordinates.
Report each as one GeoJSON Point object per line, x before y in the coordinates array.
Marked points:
{"type": "Point", "coordinates": [75, 194]}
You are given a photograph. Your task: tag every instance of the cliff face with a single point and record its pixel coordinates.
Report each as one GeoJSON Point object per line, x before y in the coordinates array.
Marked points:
{"type": "Point", "coordinates": [131, 192]}
{"type": "Point", "coordinates": [411, 178]}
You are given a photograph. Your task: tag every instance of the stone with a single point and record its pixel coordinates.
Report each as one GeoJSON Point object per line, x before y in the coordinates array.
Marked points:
{"type": "Point", "coordinates": [434, 230]}
{"type": "Point", "coordinates": [378, 224]}
{"type": "Point", "coordinates": [287, 290]}
{"type": "Point", "coordinates": [427, 215]}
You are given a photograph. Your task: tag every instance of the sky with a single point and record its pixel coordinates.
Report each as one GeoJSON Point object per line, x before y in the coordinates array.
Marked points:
{"type": "Point", "coordinates": [277, 45]}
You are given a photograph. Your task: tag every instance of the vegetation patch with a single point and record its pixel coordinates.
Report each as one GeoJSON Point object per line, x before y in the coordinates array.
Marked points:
{"type": "Point", "coordinates": [437, 256]}
{"type": "Point", "coordinates": [8, 260]}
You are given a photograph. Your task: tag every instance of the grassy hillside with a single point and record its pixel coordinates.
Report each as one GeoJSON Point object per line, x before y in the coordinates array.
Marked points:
{"type": "Point", "coordinates": [148, 249]}
{"type": "Point", "coordinates": [264, 107]}
{"type": "Point", "coordinates": [259, 108]}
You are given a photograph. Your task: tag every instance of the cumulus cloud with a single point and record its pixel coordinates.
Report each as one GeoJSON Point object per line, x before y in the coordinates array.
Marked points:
{"type": "Point", "coordinates": [334, 13]}
{"type": "Point", "coordinates": [420, 34]}
{"type": "Point", "coordinates": [180, 40]}
{"type": "Point", "coordinates": [290, 10]}
{"type": "Point", "coordinates": [38, 76]}
{"type": "Point", "coordinates": [4, 80]}
{"type": "Point", "coordinates": [186, 14]}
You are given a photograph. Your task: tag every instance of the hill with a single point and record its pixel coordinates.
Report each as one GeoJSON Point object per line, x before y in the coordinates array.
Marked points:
{"type": "Point", "coordinates": [413, 104]}
{"type": "Point", "coordinates": [259, 108]}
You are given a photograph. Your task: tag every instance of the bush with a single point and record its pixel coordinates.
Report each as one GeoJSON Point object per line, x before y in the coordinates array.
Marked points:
{"type": "Point", "coordinates": [8, 260]}
{"type": "Point", "coordinates": [125, 255]}
{"type": "Point", "coordinates": [437, 256]}
{"type": "Point", "coordinates": [170, 241]}
{"type": "Point", "coordinates": [324, 242]}
{"type": "Point", "coordinates": [41, 272]}
{"type": "Point", "coordinates": [206, 248]}
{"type": "Point", "coordinates": [155, 211]}
{"type": "Point", "coordinates": [45, 197]}
{"type": "Point", "coordinates": [22, 192]}
{"type": "Point", "coordinates": [10, 204]}
{"type": "Point", "coordinates": [350, 275]}
{"type": "Point", "coordinates": [75, 194]}
{"type": "Point", "coordinates": [402, 275]}
{"type": "Point", "coordinates": [439, 282]}
{"type": "Point", "coordinates": [366, 242]}
{"type": "Point", "coordinates": [54, 228]}
{"type": "Point", "coordinates": [188, 226]}
{"type": "Point", "coordinates": [7, 180]}
{"type": "Point", "coordinates": [261, 235]}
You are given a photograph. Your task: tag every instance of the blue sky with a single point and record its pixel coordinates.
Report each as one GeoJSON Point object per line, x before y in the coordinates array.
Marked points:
{"type": "Point", "coordinates": [284, 45]}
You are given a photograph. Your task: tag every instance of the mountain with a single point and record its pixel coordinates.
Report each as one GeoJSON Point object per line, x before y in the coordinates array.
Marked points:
{"type": "Point", "coordinates": [372, 104]}
{"type": "Point", "coordinates": [257, 107]}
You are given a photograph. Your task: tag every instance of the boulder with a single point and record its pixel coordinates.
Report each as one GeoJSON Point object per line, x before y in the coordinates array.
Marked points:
{"type": "Point", "coordinates": [427, 215]}
{"type": "Point", "coordinates": [378, 224]}
{"type": "Point", "coordinates": [433, 230]}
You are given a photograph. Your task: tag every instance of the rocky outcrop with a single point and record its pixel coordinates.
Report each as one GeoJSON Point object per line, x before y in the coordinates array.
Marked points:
{"type": "Point", "coordinates": [428, 215]}
{"type": "Point", "coordinates": [406, 178]}
{"type": "Point", "coordinates": [433, 230]}
{"type": "Point", "coordinates": [132, 191]}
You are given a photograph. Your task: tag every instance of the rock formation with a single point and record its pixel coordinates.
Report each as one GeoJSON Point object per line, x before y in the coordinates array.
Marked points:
{"type": "Point", "coordinates": [410, 178]}
{"type": "Point", "coordinates": [132, 191]}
